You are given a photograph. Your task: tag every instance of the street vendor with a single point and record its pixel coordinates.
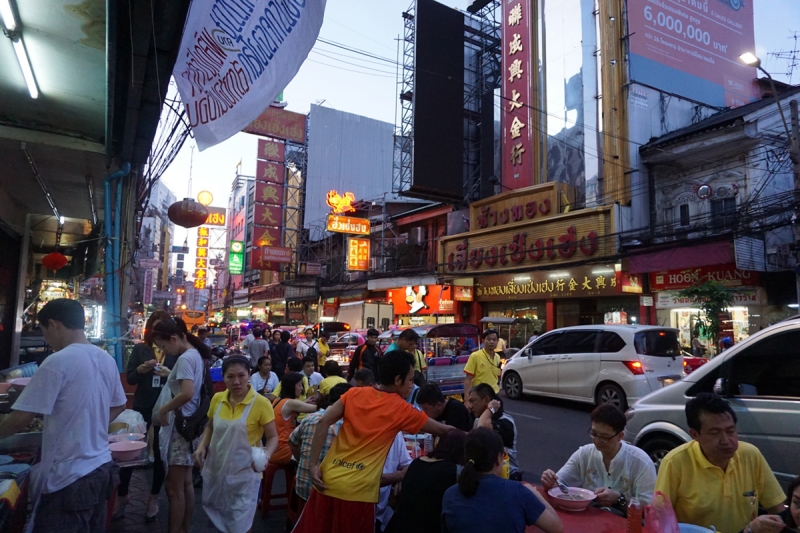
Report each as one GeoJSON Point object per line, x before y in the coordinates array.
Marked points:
{"type": "Point", "coordinates": [483, 365]}
{"type": "Point", "coordinates": [79, 392]}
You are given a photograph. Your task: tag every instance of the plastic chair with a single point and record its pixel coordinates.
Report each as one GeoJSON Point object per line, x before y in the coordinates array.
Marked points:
{"type": "Point", "coordinates": [295, 506]}
{"type": "Point", "coordinates": [266, 487]}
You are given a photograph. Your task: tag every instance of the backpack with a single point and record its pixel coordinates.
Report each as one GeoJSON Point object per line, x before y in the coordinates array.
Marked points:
{"type": "Point", "coordinates": [192, 427]}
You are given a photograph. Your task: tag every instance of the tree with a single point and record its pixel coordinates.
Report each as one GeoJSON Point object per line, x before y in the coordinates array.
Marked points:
{"type": "Point", "coordinates": [712, 298]}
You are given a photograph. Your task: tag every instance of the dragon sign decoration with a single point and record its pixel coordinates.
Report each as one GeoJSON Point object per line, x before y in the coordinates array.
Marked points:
{"type": "Point", "coordinates": [341, 203]}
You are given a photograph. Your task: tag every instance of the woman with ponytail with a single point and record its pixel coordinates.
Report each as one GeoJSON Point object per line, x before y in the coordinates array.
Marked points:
{"type": "Point", "coordinates": [186, 381]}
{"type": "Point", "coordinates": [484, 501]}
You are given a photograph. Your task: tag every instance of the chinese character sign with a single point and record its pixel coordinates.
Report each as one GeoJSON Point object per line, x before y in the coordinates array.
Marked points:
{"type": "Point", "coordinates": [269, 171]}
{"type": "Point", "coordinates": [201, 261]}
{"type": "Point", "coordinates": [263, 236]}
{"type": "Point", "coordinates": [517, 138]}
{"type": "Point", "coordinates": [268, 215]}
{"type": "Point", "coordinates": [357, 254]}
{"type": "Point", "coordinates": [271, 150]}
{"type": "Point", "coordinates": [269, 193]}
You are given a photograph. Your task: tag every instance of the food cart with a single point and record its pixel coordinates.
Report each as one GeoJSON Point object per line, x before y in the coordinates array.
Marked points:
{"type": "Point", "coordinates": [515, 331]}
{"type": "Point", "coordinates": [447, 348]}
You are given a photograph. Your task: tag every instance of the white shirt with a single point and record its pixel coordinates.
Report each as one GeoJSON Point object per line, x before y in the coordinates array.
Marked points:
{"type": "Point", "coordinates": [189, 366]}
{"type": "Point", "coordinates": [397, 459]}
{"type": "Point", "coordinates": [75, 389]}
{"type": "Point", "coordinates": [314, 379]}
{"type": "Point", "coordinates": [303, 346]}
{"type": "Point", "coordinates": [631, 472]}
{"type": "Point", "coordinates": [249, 337]}
{"type": "Point", "coordinates": [258, 382]}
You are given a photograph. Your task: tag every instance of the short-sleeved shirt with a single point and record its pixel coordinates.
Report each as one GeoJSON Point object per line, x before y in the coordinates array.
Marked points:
{"type": "Point", "coordinates": [260, 415]}
{"type": "Point", "coordinates": [314, 379]}
{"type": "Point", "coordinates": [75, 389]}
{"type": "Point", "coordinates": [258, 347]}
{"type": "Point", "coordinates": [397, 459]}
{"type": "Point", "coordinates": [322, 353]}
{"type": "Point", "coordinates": [372, 419]}
{"type": "Point", "coordinates": [189, 366]}
{"type": "Point", "coordinates": [498, 505]}
{"type": "Point", "coordinates": [705, 495]}
{"type": "Point", "coordinates": [483, 368]}
{"type": "Point", "coordinates": [259, 383]}
{"type": "Point", "coordinates": [456, 414]}
{"type": "Point", "coordinates": [330, 382]}
{"type": "Point", "coordinates": [302, 436]}
{"type": "Point", "coordinates": [302, 397]}
{"type": "Point", "coordinates": [631, 472]}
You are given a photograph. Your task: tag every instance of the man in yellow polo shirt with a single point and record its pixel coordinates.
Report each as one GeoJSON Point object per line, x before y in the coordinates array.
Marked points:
{"type": "Point", "coordinates": [483, 365]}
{"type": "Point", "coordinates": [715, 479]}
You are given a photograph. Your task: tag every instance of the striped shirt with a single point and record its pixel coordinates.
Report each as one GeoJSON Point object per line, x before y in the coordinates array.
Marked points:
{"type": "Point", "coordinates": [302, 436]}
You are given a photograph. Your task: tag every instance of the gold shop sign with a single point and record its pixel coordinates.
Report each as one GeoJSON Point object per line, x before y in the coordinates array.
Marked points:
{"type": "Point", "coordinates": [560, 239]}
{"type": "Point", "coordinates": [522, 205]}
{"type": "Point", "coordinates": [575, 282]}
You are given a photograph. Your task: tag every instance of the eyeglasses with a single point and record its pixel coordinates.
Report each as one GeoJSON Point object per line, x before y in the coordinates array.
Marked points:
{"type": "Point", "coordinates": [602, 438]}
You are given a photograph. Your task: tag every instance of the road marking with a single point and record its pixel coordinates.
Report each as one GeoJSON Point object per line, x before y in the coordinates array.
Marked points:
{"type": "Point", "coordinates": [526, 416]}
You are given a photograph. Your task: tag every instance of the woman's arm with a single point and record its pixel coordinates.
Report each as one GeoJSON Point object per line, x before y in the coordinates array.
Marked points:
{"type": "Point", "coordinates": [183, 397]}
{"type": "Point", "coordinates": [201, 452]}
{"type": "Point", "coordinates": [548, 521]}
{"type": "Point", "coordinates": [297, 406]}
{"type": "Point", "coordinates": [271, 433]}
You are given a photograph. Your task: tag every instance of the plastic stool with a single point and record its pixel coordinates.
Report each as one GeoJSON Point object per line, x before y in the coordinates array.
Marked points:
{"type": "Point", "coordinates": [266, 487]}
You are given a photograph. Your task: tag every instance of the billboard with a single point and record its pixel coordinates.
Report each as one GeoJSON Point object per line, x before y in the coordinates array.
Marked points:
{"type": "Point", "coordinates": [422, 299]}
{"type": "Point", "coordinates": [357, 254]}
{"type": "Point", "coordinates": [281, 124]}
{"type": "Point", "coordinates": [271, 150]}
{"type": "Point", "coordinates": [692, 49]}
{"type": "Point", "coordinates": [216, 216]}
{"type": "Point", "coordinates": [438, 102]}
{"type": "Point", "coordinates": [270, 171]}
{"type": "Point", "coordinates": [236, 258]}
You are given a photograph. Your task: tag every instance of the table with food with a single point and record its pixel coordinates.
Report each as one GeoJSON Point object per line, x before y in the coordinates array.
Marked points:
{"type": "Point", "coordinates": [578, 515]}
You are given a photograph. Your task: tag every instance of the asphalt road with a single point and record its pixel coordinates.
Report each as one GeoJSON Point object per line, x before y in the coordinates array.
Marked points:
{"type": "Point", "coordinates": [548, 432]}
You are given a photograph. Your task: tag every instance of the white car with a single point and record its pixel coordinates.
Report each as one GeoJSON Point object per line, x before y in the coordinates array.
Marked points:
{"type": "Point", "coordinates": [596, 364]}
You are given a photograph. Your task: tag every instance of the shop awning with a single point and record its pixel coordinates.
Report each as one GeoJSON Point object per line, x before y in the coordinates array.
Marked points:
{"type": "Point", "coordinates": [394, 283]}
{"type": "Point", "coordinates": [715, 253]}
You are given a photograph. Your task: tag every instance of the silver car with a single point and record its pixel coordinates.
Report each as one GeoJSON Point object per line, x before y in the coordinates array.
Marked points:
{"type": "Point", "coordinates": [760, 377]}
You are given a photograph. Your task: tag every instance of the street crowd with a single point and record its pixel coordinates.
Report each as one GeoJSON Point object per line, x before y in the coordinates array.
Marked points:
{"type": "Point", "coordinates": [341, 439]}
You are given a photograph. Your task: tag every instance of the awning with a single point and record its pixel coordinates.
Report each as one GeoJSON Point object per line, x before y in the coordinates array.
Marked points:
{"type": "Point", "coordinates": [394, 283]}
{"type": "Point", "coordinates": [714, 253]}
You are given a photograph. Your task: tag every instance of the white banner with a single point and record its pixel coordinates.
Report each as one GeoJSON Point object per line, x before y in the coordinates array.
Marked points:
{"type": "Point", "coordinates": [741, 297]}
{"type": "Point", "coordinates": [236, 56]}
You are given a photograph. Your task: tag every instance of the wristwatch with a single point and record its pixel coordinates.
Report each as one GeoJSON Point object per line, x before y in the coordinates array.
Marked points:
{"type": "Point", "coordinates": [621, 502]}
{"type": "Point", "coordinates": [493, 410]}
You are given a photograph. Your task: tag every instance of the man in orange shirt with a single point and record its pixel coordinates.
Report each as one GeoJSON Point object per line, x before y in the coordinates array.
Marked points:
{"type": "Point", "coordinates": [347, 482]}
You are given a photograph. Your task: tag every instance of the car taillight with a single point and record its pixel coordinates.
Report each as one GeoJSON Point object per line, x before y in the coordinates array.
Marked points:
{"type": "Point", "coordinates": [635, 367]}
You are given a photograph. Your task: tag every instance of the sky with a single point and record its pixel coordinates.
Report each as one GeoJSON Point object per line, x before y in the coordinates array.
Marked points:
{"type": "Point", "coordinates": [349, 82]}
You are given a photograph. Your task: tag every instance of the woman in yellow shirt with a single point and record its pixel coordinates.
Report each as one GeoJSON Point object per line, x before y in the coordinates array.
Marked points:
{"type": "Point", "coordinates": [324, 348]}
{"type": "Point", "coordinates": [237, 419]}
{"type": "Point", "coordinates": [483, 365]}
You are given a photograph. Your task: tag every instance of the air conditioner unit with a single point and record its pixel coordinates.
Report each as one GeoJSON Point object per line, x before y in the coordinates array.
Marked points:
{"type": "Point", "coordinates": [417, 236]}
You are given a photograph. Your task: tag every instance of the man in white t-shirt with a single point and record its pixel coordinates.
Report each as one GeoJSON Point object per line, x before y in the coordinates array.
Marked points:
{"type": "Point", "coordinates": [394, 470]}
{"type": "Point", "coordinates": [78, 390]}
{"type": "Point", "coordinates": [314, 378]}
{"type": "Point", "coordinates": [612, 468]}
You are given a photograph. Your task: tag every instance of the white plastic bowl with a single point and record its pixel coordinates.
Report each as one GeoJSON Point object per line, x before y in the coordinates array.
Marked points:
{"type": "Point", "coordinates": [126, 450]}
{"type": "Point", "coordinates": [126, 436]}
{"type": "Point", "coordinates": [572, 505]}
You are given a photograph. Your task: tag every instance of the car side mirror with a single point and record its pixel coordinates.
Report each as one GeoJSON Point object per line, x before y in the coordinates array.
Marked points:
{"type": "Point", "coordinates": [721, 386]}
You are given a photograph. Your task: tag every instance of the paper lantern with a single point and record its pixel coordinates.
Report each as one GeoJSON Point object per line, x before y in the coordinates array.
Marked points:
{"type": "Point", "coordinates": [55, 261]}
{"type": "Point", "coordinates": [188, 213]}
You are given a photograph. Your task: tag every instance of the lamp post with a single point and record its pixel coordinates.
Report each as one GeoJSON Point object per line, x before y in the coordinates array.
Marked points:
{"type": "Point", "coordinates": [794, 154]}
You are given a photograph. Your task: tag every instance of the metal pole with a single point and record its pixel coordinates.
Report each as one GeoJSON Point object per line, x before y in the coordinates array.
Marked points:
{"type": "Point", "coordinates": [794, 153]}
{"type": "Point", "coordinates": [22, 277]}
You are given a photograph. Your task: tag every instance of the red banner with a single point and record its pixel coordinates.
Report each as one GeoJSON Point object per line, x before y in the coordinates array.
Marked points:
{"type": "Point", "coordinates": [517, 153]}
{"type": "Point", "coordinates": [727, 275]}
{"type": "Point", "coordinates": [268, 215]}
{"type": "Point", "coordinates": [422, 300]}
{"type": "Point", "coordinates": [271, 150]}
{"type": "Point", "coordinates": [281, 124]}
{"type": "Point", "coordinates": [270, 172]}
{"type": "Point", "coordinates": [266, 237]}
{"type": "Point", "coordinates": [257, 262]}
{"type": "Point", "coordinates": [269, 193]}
{"type": "Point", "coordinates": [463, 294]}
{"type": "Point", "coordinates": [276, 254]}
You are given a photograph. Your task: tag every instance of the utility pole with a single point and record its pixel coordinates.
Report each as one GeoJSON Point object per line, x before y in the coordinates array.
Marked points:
{"type": "Point", "coordinates": [794, 155]}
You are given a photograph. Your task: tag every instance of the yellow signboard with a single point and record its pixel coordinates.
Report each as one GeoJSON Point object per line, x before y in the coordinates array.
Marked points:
{"type": "Point", "coordinates": [357, 226]}
{"type": "Point", "coordinates": [357, 254]}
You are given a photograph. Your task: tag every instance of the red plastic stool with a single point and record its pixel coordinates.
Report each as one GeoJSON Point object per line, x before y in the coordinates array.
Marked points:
{"type": "Point", "coordinates": [266, 487]}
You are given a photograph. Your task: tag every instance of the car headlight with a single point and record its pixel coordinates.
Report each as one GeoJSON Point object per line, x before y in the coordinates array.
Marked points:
{"type": "Point", "coordinates": [629, 414]}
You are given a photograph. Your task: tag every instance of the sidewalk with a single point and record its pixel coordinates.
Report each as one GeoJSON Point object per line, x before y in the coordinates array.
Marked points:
{"type": "Point", "coordinates": [133, 522]}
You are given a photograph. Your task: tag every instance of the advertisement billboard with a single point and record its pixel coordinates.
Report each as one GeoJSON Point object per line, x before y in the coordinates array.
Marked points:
{"type": "Point", "coordinates": [357, 254]}
{"type": "Point", "coordinates": [236, 258]}
{"type": "Point", "coordinates": [279, 123]}
{"type": "Point", "coordinates": [422, 299]}
{"type": "Point", "coordinates": [692, 48]}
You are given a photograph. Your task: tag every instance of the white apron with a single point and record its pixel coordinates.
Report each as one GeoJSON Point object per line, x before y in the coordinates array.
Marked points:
{"type": "Point", "coordinates": [230, 486]}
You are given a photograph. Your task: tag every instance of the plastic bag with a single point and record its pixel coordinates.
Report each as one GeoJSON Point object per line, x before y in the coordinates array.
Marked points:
{"type": "Point", "coordinates": [163, 399]}
{"type": "Point", "coordinates": [660, 515]}
{"type": "Point", "coordinates": [134, 421]}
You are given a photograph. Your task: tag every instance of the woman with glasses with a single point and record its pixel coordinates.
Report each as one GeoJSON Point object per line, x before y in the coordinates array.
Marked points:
{"type": "Point", "coordinates": [612, 468]}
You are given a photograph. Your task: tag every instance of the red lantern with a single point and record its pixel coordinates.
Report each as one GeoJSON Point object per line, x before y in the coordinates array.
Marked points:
{"type": "Point", "coordinates": [188, 213]}
{"type": "Point", "coordinates": [55, 261]}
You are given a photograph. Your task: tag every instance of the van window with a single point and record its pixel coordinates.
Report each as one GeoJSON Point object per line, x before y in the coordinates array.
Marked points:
{"type": "Point", "coordinates": [770, 367]}
{"type": "Point", "coordinates": [663, 343]}
{"type": "Point", "coordinates": [579, 342]}
{"type": "Point", "coordinates": [610, 342]}
{"type": "Point", "coordinates": [547, 345]}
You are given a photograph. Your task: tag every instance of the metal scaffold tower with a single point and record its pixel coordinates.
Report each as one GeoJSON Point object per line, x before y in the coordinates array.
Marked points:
{"type": "Point", "coordinates": [404, 131]}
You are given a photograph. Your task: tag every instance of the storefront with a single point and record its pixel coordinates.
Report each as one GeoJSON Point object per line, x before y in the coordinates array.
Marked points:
{"type": "Point", "coordinates": [417, 305]}
{"type": "Point", "coordinates": [268, 303]}
{"type": "Point", "coordinates": [740, 321]}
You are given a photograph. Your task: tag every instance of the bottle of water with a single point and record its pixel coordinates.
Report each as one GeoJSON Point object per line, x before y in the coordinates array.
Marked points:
{"type": "Point", "coordinates": [428, 443]}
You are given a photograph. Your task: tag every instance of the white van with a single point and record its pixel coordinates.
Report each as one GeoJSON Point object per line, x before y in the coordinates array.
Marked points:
{"type": "Point", "coordinates": [760, 378]}
{"type": "Point", "coordinates": [596, 364]}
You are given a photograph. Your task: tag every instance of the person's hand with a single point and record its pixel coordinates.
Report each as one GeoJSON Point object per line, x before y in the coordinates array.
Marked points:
{"type": "Point", "coordinates": [316, 479]}
{"type": "Point", "coordinates": [495, 404]}
{"type": "Point", "coordinates": [200, 455]}
{"type": "Point", "coordinates": [163, 417]}
{"type": "Point", "coordinates": [147, 366]}
{"type": "Point", "coordinates": [606, 497]}
{"type": "Point", "coordinates": [164, 372]}
{"type": "Point", "coordinates": [549, 479]}
{"type": "Point", "coordinates": [768, 523]}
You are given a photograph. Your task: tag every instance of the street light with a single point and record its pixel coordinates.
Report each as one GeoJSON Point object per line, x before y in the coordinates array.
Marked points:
{"type": "Point", "coordinates": [750, 59]}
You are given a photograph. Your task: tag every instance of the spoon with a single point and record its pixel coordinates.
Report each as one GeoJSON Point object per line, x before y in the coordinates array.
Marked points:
{"type": "Point", "coordinates": [563, 487]}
